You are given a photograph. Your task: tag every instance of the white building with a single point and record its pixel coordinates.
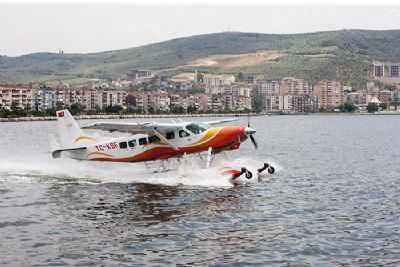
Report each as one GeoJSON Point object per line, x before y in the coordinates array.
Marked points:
{"type": "Point", "coordinates": [285, 102]}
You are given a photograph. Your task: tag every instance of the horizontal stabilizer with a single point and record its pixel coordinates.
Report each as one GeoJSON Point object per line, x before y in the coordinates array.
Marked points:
{"type": "Point", "coordinates": [57, 153]}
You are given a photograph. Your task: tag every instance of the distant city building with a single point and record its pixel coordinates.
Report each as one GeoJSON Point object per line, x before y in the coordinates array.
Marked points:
{"type": "Point", "coordinates": [16, 97]}
{"type": "Point", "coordinates": [161, 102]}
{"type": "Point", "coordinates": [234, 98]}
{"type": "Point", "coordinates": [285, 102]}
{"type": "Point", "coordinates": [372, 88]}
{"type": "Point", "coordinates": [215, 80]}
{"type": "Point", "coordinates": [139, 74]}
{"type": "Point", "coordinates": [378, 70]}
{"type": "Point", "coordinates": [394, 70]}
{"type": "Point", "coordinates": [137, 101]}
{"type": "Point", "coordinates": [269, 88]}
{"type": "Point", "coordinates": [44, 99]}
{"type": "Point", "coordinates": [293, 86]}
{"type": "Point", "coordinates": [330, 94]}
{"type": "Point", "coordinates": [385, 96]}
{"type": "Point", "coordinates": [250, 78]}
{"type": "Point", "coordinates": [355, 98]}
{"type": "Point", "coordinates": [305, 103]}
{"type": "Point", "coordinates": [270, 103]}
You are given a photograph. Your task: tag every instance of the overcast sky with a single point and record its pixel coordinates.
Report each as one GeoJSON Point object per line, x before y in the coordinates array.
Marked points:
{"type": "Point", "coordinates": [27, 27]}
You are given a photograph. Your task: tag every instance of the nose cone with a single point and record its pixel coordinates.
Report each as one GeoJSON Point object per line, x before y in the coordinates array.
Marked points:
{"type": "Point", "coordinates": [249, 131]}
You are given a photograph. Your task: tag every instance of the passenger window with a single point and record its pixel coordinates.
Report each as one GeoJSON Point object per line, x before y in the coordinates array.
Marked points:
{"type": "Point", "coordinates": [123, 145]}
{"type": "Point", "coordinates": [183, 133]}
{"type": "Point", "coordinates": [170, 135]}
{"type": "Point", "coordinates": [132, 143]}
{"type": "Point", "coordinates": [154, 138]}
{"type": "Point", "coordinates": [142, 141]}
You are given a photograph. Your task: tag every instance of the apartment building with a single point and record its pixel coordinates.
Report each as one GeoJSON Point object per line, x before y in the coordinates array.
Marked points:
{"type": "Point", "coordinates": [285, 102]}
{"type": "Point", "coordinates": [232, 98]}
{"type": "Point", "coordinates": [161, 101]}
{"type": "Point", "coordinates": [305, 103]}
{"type": "Point", "coordinates": [16, 96]}
{"type": "Point", "coordinates": [137, 101]}
{"type": "Point", "coordinates": [270, 103]}
{"type": "Point", "coordinates": [44, 99]}
{"type": "Point", "coordinates": [330, 94]}
{"type": "Point", "coordinates": [293, 86]}
{"type": "Point", "coordinates": [269, 87]}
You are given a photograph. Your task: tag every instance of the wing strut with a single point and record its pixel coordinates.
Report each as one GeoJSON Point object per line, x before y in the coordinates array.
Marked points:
{"type": "Point", "coordinates": [165, 140]}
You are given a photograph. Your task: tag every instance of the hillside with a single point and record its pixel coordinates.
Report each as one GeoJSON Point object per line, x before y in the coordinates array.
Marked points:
{"type": "Point", "coordinates": [345, 55]}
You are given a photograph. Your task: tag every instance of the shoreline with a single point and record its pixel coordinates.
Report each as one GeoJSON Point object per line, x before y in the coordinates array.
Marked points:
{"type": "Point", "coordinates": [150, 116]}
{"type": "Point", "coordinates": [128, 116]}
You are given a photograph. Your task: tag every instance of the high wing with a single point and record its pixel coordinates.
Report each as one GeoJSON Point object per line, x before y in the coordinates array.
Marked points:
{"type": "Point", "coordinates": [132, 127]}
{"type": "Point", "coordinates": [218, 122]}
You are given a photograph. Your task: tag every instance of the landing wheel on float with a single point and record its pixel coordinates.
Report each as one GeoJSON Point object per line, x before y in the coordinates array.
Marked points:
{"type": "Point", "coordinates": [271, 170]}
{"type": "Point", "coordinates": [249, 175]}
{"type": "Point", "coordinates": [267, 167]}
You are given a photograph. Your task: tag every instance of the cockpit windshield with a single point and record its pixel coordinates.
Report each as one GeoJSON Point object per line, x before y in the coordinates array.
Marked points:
{"type": "Point", "coordinates": [198, 128]}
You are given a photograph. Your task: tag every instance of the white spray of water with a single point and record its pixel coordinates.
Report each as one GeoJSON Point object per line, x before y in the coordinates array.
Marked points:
{"type": "Point", "coordinates": [191, 172]}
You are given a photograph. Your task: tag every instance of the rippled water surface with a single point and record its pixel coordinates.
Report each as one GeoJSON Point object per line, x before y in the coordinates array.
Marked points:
{"type": "Point", "coordinates": [334, 200]}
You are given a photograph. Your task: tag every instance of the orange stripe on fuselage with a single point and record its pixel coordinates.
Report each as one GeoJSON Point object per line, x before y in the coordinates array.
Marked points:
{"type": "Point", "coordinates": [210, 134]}
{"type": "Point", "coordinates": [100, 153]}
{"type": "Point", "coordinates": [225, 136]}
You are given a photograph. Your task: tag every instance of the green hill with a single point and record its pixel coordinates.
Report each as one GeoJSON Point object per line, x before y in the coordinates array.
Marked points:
{"type": "Point", "coordinates": [345, 55]}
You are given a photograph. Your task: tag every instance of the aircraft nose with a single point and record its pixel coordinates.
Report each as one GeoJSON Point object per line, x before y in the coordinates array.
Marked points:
{"type": "Point", "coordinates": [249, 131]}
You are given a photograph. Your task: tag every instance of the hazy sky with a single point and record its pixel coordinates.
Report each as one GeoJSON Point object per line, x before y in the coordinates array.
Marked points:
{"type": "Point", "coordinates": [27, 27]}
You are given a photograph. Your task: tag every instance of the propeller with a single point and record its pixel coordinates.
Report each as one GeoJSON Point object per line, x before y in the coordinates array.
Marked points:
{"type": "Point", "coordinates": [253, 140]}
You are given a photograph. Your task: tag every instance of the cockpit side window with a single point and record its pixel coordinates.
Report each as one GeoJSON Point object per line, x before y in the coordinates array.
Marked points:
{"type": "Point", "coordinates": [170, 135]}
{"type": "Point", "coordinates": [142, 141]}
{"type": "Point", "coordinates": [183, 133]}
{"type": "Point", "coordinates": [197, 128]}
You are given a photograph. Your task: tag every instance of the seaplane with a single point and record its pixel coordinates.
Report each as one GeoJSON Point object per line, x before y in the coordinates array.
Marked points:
{"type": "Point", "coordinates": [154, 142]}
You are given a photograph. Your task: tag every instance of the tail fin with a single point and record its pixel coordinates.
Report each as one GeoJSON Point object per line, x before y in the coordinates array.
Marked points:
{"type": "Point", "coordinates": [71, 134]}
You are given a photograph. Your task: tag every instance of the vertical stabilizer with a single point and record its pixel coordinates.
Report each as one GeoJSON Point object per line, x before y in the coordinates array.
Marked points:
{"type": "Point", "coordinates": [70, 132]}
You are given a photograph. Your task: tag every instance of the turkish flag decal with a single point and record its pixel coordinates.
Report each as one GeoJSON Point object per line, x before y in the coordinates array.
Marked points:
{"type": "Point", "coordinates": [60, 114]}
